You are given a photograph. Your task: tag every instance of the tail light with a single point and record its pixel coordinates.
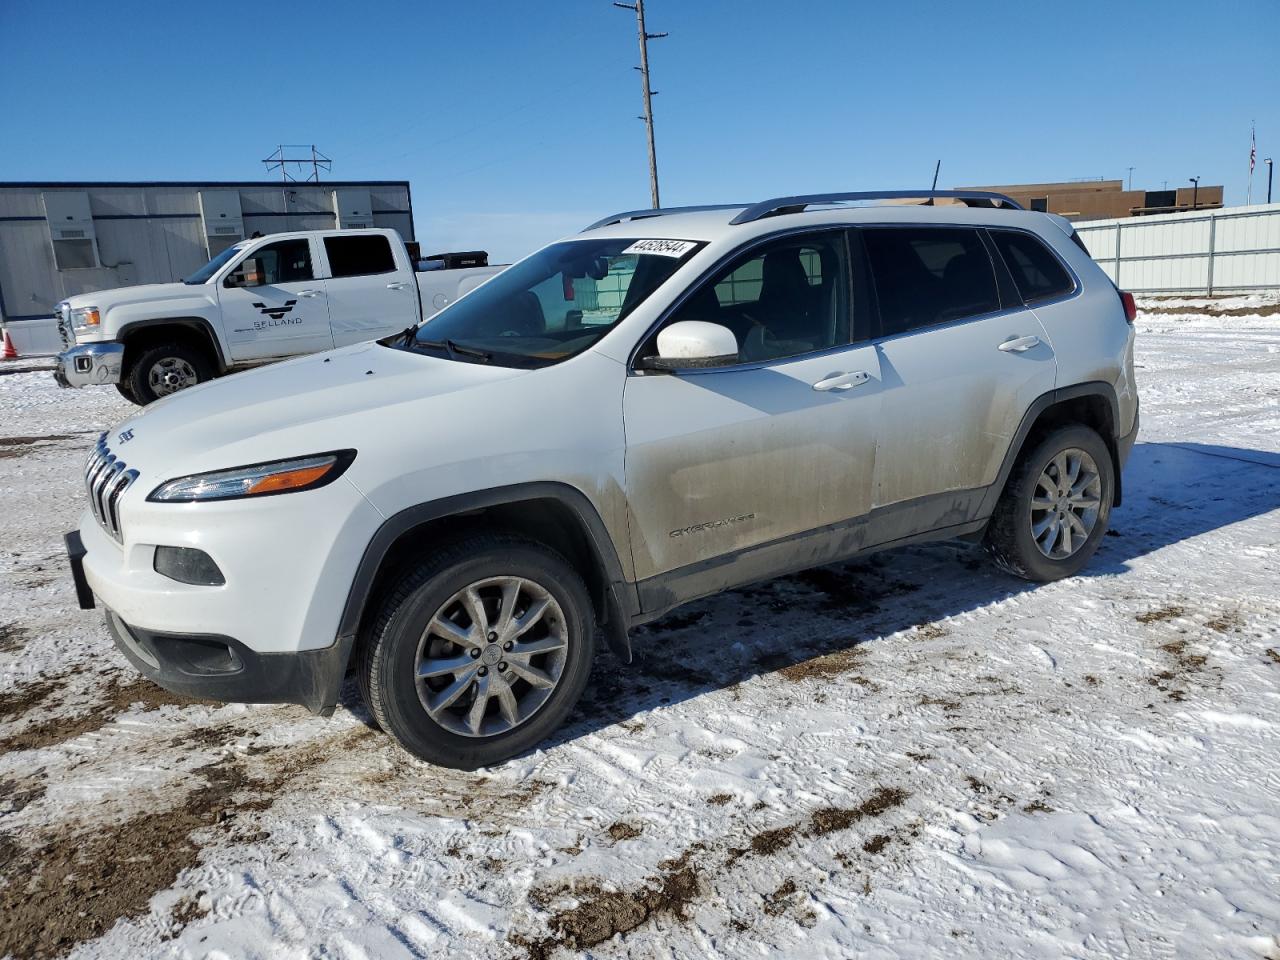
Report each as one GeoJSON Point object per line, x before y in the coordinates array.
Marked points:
{"type": "Point", "coordinates": [1130, 306]}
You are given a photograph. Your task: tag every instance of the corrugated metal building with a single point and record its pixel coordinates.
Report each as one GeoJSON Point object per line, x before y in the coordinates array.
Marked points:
{"type": "Point", "coordinates": [60, 239]}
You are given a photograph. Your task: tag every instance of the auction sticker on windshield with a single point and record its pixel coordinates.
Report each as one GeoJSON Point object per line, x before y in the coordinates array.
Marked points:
{"type": "Point", "coordinates": [663, 248]}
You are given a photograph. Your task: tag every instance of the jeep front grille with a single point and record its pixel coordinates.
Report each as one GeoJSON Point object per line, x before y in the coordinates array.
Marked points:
{"type": "Point", "coordinates": [107, 478]}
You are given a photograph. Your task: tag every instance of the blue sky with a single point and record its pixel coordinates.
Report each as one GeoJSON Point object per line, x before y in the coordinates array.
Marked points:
{"type": "Point", "coordinates": [516, 121]}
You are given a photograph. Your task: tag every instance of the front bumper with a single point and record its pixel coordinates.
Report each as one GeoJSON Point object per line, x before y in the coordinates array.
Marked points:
{"type": "Point", "coordinates": [223, 668]}
{"type": "Point", "coordinates": [89, 364]}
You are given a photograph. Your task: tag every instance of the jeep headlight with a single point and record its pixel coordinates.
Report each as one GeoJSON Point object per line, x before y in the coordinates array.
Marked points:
{"type": "Point", "coordinates": [84, 317]}
{"type": "Point", "coordinates": [257, 479]}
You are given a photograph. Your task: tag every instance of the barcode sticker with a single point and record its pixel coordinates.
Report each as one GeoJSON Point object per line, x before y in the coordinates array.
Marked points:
{"type": "Point", "coordinates": [662, 248]}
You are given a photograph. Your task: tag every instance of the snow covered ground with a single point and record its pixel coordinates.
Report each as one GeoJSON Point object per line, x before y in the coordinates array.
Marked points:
{"type": "Point", "coordinates": [908, 756]}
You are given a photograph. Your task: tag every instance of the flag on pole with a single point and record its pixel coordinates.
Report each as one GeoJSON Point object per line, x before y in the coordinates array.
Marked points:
{"type": "Point", "coordinates": [1253, 156]}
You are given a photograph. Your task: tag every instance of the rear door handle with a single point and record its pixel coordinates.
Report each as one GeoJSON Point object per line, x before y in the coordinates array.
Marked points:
{"type": "Point", "coordinates": [1019, 344]}
{"type": "Point", "coordinates": [398, 285]}
{"type": "Point", "coordinates": [310, 293]}
{"type": "Point", "coordinates": [842, 381]}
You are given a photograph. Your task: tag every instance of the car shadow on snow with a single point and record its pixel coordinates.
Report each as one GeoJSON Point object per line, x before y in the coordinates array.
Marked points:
{"type": "Point", "coordinates": [1172, 493]}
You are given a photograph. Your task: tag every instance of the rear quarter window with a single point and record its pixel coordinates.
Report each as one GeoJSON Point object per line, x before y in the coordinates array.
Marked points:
{"type": "Point", "coordinates": [1037, 272]}
{"type": "Point", "coordinates": [359, 256]}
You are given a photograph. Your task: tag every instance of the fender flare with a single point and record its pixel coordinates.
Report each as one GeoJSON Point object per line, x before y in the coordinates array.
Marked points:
{"type": "Point", "coordinates": [1092, 388]}
{"type": "Point", "coordinates": [620, 595]}
{"type": "Point", "coordinates": [199, 324]}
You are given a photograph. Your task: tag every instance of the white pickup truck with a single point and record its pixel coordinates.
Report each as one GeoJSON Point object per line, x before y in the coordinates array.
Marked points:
{"type": "Point", "coordinates": [265, 298]}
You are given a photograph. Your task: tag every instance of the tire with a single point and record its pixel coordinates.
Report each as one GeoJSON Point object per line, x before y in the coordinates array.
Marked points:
{"type": "Point", "coordinates": [1011, 538]}
{"type": "Point", "coordinates": [145, 376]}
{"type": "Point", "coordinates": [390, 655]}
{"type": "Point", "coordinates": [126, 392]}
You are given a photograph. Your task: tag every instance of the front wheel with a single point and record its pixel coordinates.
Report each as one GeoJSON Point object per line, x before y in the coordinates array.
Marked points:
{"type": "Point", "coordinates": [164, 369]}
{"type": "Point", "coordinates": [1055, 507]}
{"type": "Point", "coordinates": [479, 653]}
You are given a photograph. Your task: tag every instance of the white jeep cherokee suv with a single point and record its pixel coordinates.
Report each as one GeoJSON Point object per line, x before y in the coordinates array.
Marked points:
{"type": "Point", "coordinates": [671, 404]}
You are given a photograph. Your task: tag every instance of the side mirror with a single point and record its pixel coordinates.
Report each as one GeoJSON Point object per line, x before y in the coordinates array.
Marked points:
{"type": "Point", "coordinates": [692, 345]}
{"type": "Point", "coordinates": [248, 274]}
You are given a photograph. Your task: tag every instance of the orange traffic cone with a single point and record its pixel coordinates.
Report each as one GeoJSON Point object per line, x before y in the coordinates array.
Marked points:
{"type": "Point", "coordinates": [9, 352]}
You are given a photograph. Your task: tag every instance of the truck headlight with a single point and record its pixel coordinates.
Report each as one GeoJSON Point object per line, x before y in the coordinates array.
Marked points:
{"type": "Point", "coordinates": [256, 479]}
{"type": "Point", "coordinates": [86, 316]}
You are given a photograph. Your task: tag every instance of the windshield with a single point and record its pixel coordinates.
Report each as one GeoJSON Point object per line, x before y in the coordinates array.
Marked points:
{"type": "Point", "coordinates": [554, 304]}
{"type": "Point", "coordinates": [205, 273]}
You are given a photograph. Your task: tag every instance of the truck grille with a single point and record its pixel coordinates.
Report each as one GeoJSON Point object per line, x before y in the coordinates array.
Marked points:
{"type": "Point", "coordinates": [107, 478]}
{"type": "Point", "coordinates": [65, 328]}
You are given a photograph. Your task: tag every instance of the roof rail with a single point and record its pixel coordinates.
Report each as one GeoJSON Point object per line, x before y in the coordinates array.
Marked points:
{"type": "Point", "coordinates": [781, 205]}
{"type": "Point", "coordinates": [660, 212]}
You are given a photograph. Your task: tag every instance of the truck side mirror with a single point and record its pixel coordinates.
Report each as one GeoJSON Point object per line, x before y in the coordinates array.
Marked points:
{"type": "Point", "coordinates": [248, 274]}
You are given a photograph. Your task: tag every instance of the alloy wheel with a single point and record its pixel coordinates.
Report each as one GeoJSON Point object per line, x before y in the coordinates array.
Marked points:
{"type": "Point", "coordinates": [1065, 503]}
{"type": "Point", "coordinates": [491, 656]}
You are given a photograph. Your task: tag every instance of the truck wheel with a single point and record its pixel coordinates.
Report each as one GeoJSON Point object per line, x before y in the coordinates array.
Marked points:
{"type": "Point", "coordinates": [164, 369]}
{"type": "Point", "coordinates": [480, 652]}
{"type": "Point", "coordinates": [1055, 507]}
{"type": "Point", "coordinates": [126, 391]}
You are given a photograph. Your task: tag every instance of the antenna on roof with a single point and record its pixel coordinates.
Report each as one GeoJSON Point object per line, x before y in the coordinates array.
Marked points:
{"type": "Point", "coordinates": [936, 167]}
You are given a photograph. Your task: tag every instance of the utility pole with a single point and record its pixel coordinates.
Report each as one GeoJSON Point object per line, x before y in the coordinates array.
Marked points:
{"type": "Point", "coordinates": [645, 37]}
{"type": "Point", "coordinates": [1195, 192]}
{"type": "Point", "coordinates": [1267, 161]}
{"type": "Point", "coordinates": [1131, 178]}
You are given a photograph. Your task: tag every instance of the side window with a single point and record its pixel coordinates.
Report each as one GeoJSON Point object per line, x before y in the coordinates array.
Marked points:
{"type": "Point", "coordinates": [1037, 273]}
{"type": "Point", "coordinates": [929, 275]}
{"type": "Point", "coordinates": [786, 298]}
{"type": "Point", "coordinates": [288, 261]}
{"type": "Point", "coordinates": [359, 256]}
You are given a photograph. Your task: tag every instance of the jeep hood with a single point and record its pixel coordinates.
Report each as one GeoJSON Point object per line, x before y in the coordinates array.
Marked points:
{"type": "Point", "coordinates": [308, 405]}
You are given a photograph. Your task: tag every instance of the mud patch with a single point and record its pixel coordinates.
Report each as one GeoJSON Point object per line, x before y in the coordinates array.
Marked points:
{"type": "Point", "coordinates": [821, 822]}
{"type": "Point", "coordinates": [826, 666]}
{"type": "Point", "coordinates": [1225, 622]}
{"type": "Point", "coordinates": [1160, 615]}
{"type": "Point", "coordinates": [719, 799]}
{"type": "Point", "coordinates": [623, 831]}
{"type": "Point", "coordinates": [184, 913]}
{"type": "Point", "coordinates": [1261, 310]}
{"type": "Point", "coordinates": [12, 637]}
{"type": "Point", "coordinates": [601, 914]}
{"type": "Point", "coordinates": [15, 795]}
{"type": "Point", "coordinates": [74, 883]}
{"type": "Point", "coordinates": [1183, 669]}
{"type": "Point", "coordinates": [854, 588]}
{"type": "Point", "coordinates": [1273, 654]}
{"type": "Point", "coordinates": [14, 447]}
{"type": "Point", "coordinates": [118, 697]}
{"type": "Point", "coordinates": [775, 903]}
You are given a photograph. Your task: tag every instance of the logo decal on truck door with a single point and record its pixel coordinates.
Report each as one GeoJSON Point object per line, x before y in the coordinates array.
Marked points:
{"type": "Point", "coordinates": [275, 313]}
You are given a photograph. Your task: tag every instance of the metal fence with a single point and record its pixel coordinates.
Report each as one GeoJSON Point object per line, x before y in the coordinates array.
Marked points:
{"type": "Point", "coordinates": [1206, 252]}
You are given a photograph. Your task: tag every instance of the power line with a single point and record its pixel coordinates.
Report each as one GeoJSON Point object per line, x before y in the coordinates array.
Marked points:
{"type": "Point", "coordinates": [649, 93]}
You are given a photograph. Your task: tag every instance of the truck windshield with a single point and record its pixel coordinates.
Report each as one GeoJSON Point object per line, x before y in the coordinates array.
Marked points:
{"type": "Point", "coordinates": [555, 303]}
{"type": "Point", "coordinates": [205, 273]}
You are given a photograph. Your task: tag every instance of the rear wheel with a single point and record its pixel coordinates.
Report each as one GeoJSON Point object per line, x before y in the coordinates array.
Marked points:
{"type": "Point", "coordinates": [1055, 507]}
{"type": "Point", "coordinates": [479, 653]}
{"type": "Point", "coordinates": [164, 369]}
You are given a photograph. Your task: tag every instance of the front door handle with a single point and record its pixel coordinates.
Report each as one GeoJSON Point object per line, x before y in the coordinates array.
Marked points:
{"type": "Point", "coordinates": [1019, 344]}
{"type": "Point", "coordinates": [398, 285]}
{"type": "Point", "coordinates": [310, 293]}
{"type": "Point", "coordinates": [842, 381]}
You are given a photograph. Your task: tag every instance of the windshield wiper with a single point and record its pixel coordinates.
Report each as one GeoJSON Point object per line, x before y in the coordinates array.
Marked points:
{"type": "Point", "coordinates": [453, 349]}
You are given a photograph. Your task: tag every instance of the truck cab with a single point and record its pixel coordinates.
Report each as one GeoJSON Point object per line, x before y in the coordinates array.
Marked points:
{"type": "Point", "coordinates": [265, 298]}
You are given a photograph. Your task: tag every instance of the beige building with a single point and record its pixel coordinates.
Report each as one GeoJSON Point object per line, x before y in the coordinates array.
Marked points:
{"type": "Point", "coordinates": [1105, 199]}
